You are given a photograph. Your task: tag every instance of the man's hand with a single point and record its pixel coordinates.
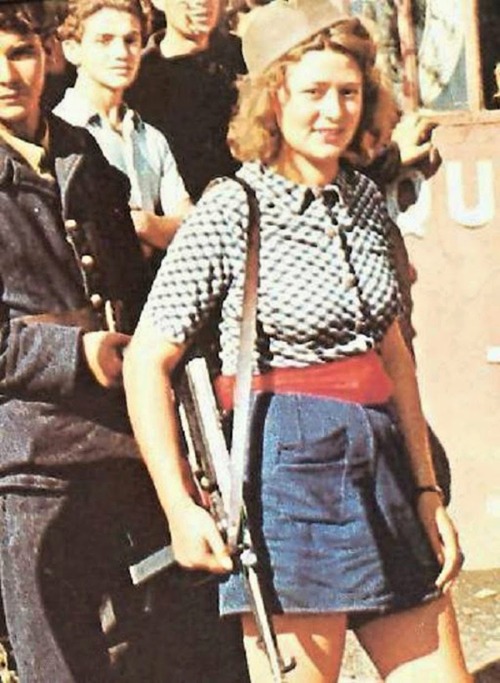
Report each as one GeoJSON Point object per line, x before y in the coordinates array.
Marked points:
{"type": "Point", "coordinates": [413, 137]}
{"type": "Point", "coordinates": [103, 352]}
{"type": "Point", "coordinates": [152, 230]}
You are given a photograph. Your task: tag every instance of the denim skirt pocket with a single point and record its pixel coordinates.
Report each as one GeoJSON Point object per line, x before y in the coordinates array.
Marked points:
{"type": "Point", "coordinates": [308, 480]}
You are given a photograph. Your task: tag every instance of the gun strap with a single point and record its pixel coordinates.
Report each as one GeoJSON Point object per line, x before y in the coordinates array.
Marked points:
{"type": "Point", "coordinates": [240, 444]}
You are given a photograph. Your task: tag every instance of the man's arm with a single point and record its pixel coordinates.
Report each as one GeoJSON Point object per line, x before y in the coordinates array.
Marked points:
{"type": "Point", "coordinates": [158, 231]}
{"type": "Point", "coordinates": [39, 359]}
{"type": "Point", "coordinates": [47, 359]}
{"type": "Point", "coordinates": [410, 146]}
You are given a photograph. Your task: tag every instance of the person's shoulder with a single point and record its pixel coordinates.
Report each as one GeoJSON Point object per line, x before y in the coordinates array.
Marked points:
{"type": "Point", "coordinates": [226, 49]}
{"type": "Point", "coordinates": [155, 141]}
{"type": "Point", "coordinates": [68, 142]}
{"type": "Point", "coordinates": [9, 159]}
{"type": "Point", "coordinates": [249, 178]}
{"type": "Point", "coordinates": [365, 201]}
{"type": "Point", "coordinates": [223, 193]}
{"type": "Point", "coordinates": [222, 209]}
{"type": "Point", "coordinates": [66, 138]}
{"type": "Point", "coordinates": [152, 133]}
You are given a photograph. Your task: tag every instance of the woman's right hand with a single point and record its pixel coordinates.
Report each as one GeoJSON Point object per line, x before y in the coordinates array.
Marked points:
{"type": "Point", "coordinates": [196, 541]}
{"type": "Point", "coordinates": [443, 538]}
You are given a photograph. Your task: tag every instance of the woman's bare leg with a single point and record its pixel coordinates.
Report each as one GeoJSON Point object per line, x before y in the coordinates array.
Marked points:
{"type": "Point", "coordinates": [420, 644]}
{"type": "Point", "coordinates": [315, 641]}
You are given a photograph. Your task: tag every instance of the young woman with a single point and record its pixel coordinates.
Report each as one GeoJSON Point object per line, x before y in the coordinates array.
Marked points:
{"type": "Point", "coordinates": [343, 502]}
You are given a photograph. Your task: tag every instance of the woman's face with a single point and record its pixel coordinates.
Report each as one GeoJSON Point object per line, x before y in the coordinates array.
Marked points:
{"type": "Point", "coordinates": [318, 110]}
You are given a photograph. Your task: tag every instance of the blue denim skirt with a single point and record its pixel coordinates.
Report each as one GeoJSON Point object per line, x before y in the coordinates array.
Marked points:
{"type": "Point", "coordinates": [330, 507]}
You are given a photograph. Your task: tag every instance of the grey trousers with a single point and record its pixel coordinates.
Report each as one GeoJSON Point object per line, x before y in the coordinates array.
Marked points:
{"type": "Point", "coordinates": [72, 613]}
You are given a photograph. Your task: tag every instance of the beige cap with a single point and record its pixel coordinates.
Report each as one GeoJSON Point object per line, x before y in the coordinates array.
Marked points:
{"type": "Point", "coordinates": [276, 28]}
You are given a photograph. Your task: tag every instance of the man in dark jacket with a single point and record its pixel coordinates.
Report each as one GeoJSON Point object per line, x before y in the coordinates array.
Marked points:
{"type": "Point", "coordinates": [75, 499]}
{"type": "Point", "coordinates": [186, 88]}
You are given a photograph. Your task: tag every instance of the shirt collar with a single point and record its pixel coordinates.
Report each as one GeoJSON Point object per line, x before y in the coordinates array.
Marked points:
{"type": "Point", "coordinates": [296, 196]}
{"type": "Point", "coordinates": [33, 152]}
{"type": "Point", "coordinates": [77, 110]}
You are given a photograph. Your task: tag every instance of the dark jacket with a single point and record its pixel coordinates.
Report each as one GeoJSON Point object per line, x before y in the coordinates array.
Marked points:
{"type": "Point", "coordinates": [52, 412]}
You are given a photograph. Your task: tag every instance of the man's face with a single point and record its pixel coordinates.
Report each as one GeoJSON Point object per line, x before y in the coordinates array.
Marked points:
{"type": "Point", "coordinates": [109, 51]}
{"type": "Point", "coordinates": [191, 18]}
{"type": "Point", "coordinates": [22, 76]}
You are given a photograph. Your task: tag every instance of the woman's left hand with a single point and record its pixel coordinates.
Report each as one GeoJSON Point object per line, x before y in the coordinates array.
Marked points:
{"type": "Point", "coordinates": [443, 538]}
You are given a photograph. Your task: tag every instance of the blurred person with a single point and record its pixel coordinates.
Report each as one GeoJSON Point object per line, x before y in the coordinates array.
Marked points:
{"type": "Point", "coordinates": [103, 41]}
{"type": "Point", "coordinates": [342, 500]}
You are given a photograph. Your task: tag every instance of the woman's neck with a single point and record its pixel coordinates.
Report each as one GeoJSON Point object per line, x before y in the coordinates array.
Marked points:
{"type": "Point", "coordinates": [305, 171]}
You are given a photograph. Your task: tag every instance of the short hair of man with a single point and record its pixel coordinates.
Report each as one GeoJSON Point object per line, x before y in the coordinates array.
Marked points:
{"type": "Point", "coordinates": [254, 132]}
{"type": "Point", "coordinates": [79, 10]}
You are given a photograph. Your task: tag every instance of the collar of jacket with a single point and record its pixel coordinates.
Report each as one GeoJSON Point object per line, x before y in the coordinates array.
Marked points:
{"type": "Point", "coordinates": [15, 171]}
{"type": "Point", "coordinates": [69, 146]}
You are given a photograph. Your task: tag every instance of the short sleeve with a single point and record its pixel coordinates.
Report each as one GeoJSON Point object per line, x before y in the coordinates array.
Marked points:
{"type": "Point", "coordinates": [172, 188]}
{"type": "Point", "coordinates": [195, 272]}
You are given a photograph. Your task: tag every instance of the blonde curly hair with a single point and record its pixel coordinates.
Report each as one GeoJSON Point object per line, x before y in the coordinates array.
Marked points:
{"type": "Point", "coordinates": [254, 132]}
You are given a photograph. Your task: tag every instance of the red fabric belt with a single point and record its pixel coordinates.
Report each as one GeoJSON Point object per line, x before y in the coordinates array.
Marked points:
{"type": "Point", "coordinates": [358, 379]}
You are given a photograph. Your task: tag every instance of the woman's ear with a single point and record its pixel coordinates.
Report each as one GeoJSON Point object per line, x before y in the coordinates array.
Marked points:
{"type": "Point", "coordinates": [71, 50]}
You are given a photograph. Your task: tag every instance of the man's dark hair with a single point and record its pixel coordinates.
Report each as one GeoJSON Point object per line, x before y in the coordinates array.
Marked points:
{"type": "Point", "coordinates": [25, 18]}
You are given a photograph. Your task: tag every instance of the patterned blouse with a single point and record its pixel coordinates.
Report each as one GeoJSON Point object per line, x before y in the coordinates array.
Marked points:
{"type": "Point", "coordinates": [327, 286]}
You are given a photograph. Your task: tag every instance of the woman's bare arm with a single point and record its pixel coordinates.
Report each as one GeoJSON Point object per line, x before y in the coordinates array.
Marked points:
{"type": "Point", "coordinates": [148, 364]}
{"type": "Point", "coordinates": [442, 534]}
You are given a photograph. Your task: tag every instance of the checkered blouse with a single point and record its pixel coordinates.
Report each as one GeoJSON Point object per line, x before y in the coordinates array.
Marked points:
{"type": "Point", "coordinates": [327, 287]}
